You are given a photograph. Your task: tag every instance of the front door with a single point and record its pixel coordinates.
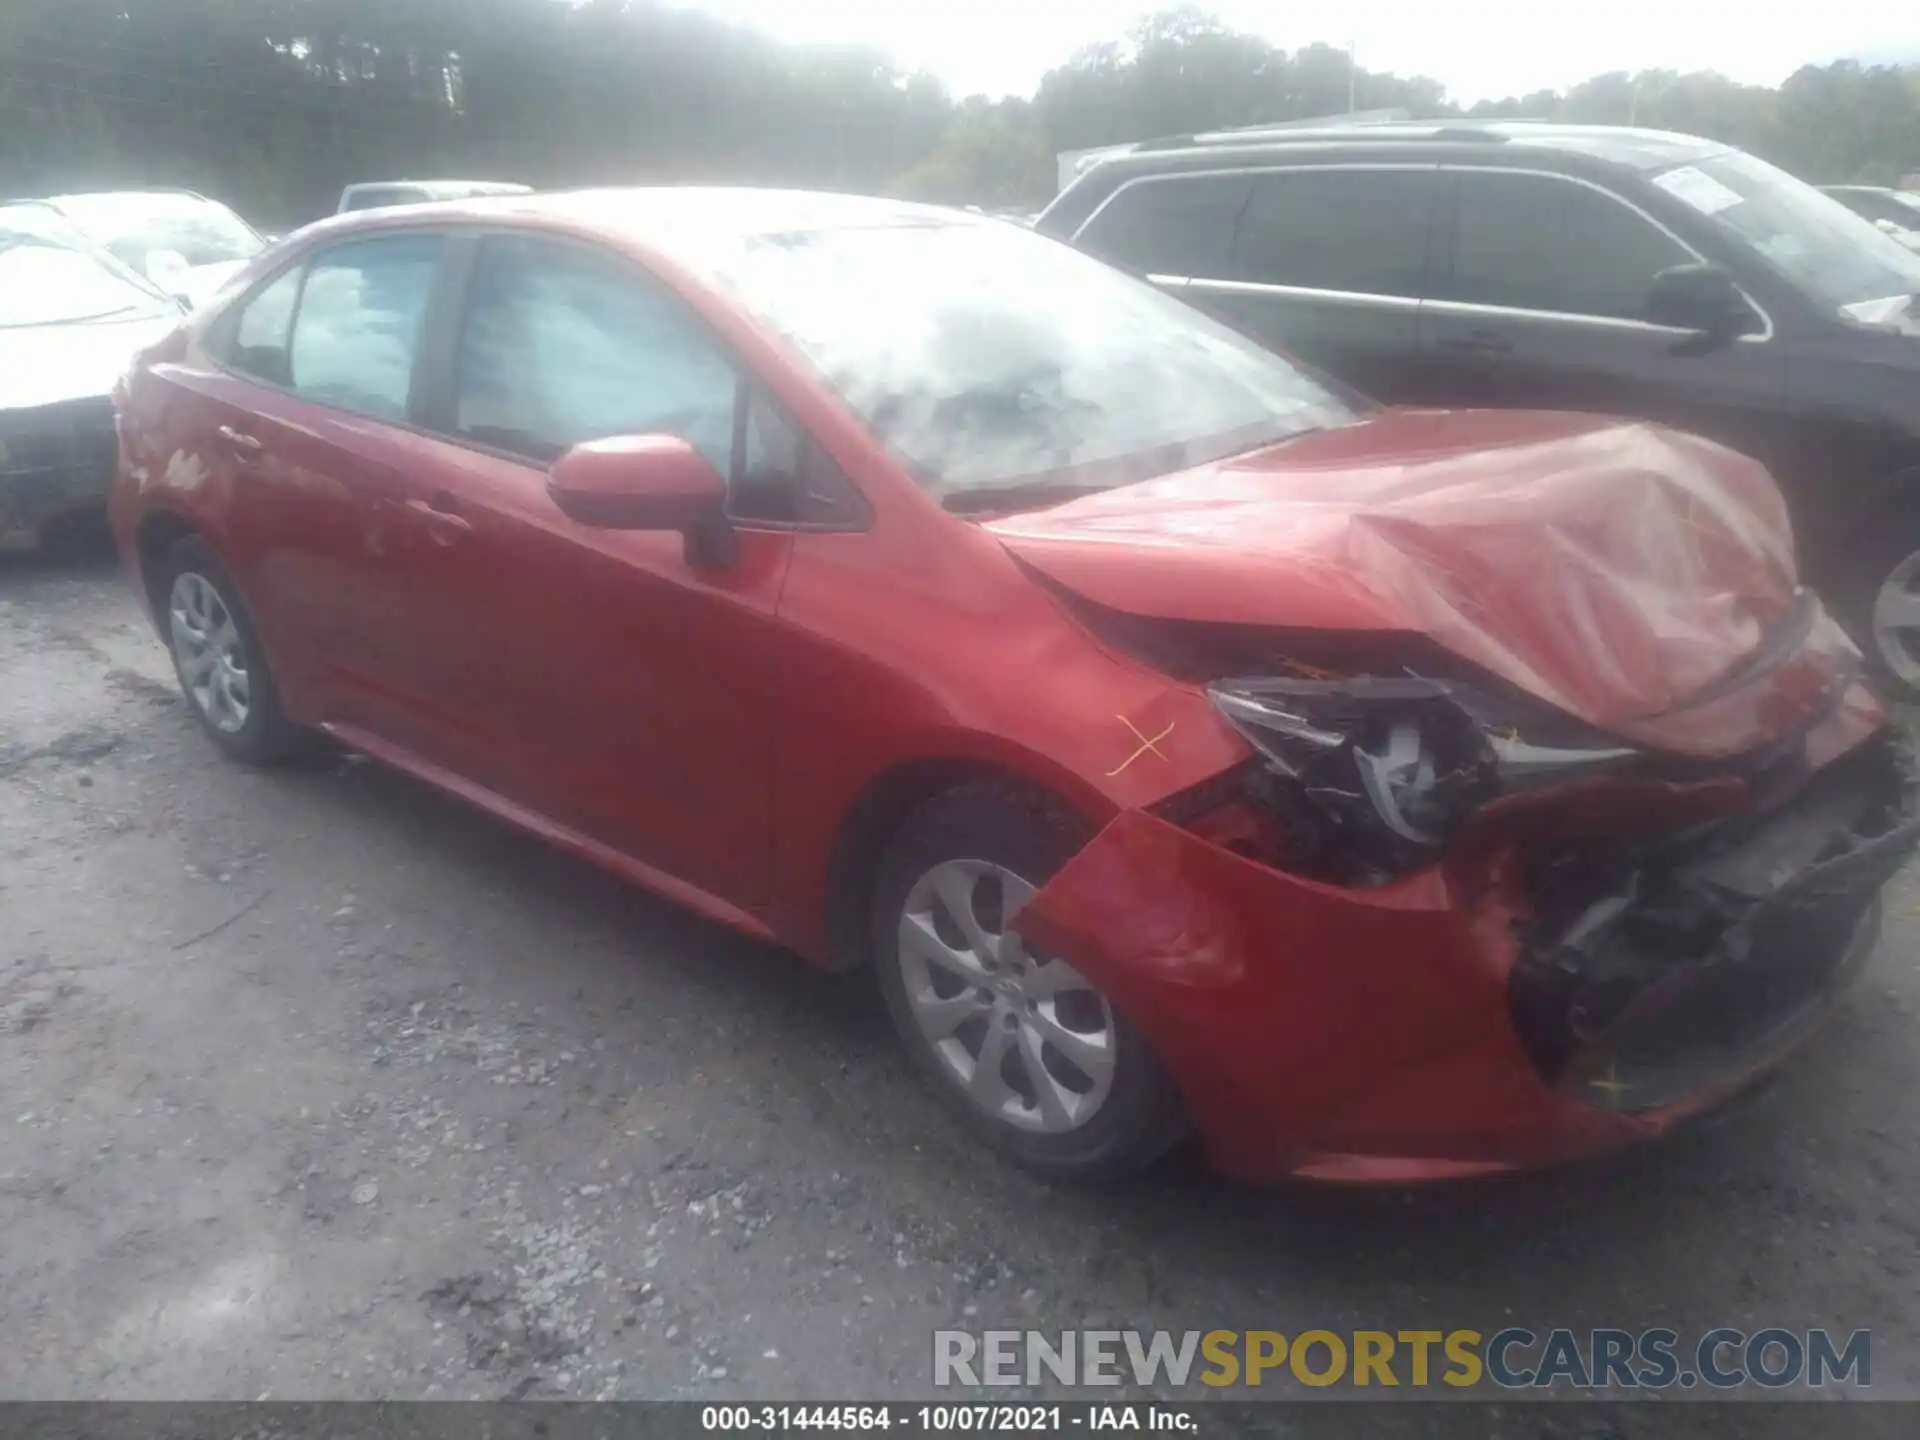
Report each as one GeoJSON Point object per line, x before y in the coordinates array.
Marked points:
{"type": "Point", "coordinates": [616, 686]}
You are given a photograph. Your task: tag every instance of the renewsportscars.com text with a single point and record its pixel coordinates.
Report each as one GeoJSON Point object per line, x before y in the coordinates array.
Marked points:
{"type": "Point", "coordinates": [1512, 1359]}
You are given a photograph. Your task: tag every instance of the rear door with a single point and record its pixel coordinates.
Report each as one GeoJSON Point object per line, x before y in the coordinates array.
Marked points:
{"type": "Point", "coordinates": [1323, 263]}
{"type": "Point", "coordinates": [1329, 263]}
{"type": "Point", "coordinates": [1539, 301]}
{"type": "Point", "coordinates": [306, 422]}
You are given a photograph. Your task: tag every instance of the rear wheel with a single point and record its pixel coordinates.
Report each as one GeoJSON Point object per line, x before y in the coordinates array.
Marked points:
{"type": "Point", "coordinates": [1028, 1051]}
{"type": "Point", "coordinates": [216, 653]}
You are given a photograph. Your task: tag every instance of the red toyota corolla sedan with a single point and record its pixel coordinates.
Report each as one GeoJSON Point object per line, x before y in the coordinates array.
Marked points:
{"type": "Point", "coordinates": [1184, 743]}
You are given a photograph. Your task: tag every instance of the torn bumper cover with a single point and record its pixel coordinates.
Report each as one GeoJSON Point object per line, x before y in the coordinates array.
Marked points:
{"type": "Point", "coordinates": [1580, 971]}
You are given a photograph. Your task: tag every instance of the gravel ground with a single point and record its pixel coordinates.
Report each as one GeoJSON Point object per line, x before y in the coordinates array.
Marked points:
{"type": "Point", "coordinates": [318, 1085]}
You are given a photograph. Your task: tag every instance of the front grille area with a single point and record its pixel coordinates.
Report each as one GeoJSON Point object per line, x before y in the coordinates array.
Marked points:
{"type": "Point", "coordinates": [1652, 972]}
{"type": "Point", "coordinates": [57, 457]}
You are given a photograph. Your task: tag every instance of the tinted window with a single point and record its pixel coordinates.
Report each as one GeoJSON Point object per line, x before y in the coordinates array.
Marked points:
{"type": "Point", "coordinates": [262, 329]}
{"type": "Point", "coordinates": [1358, 230]}
{"type": "Point", "coordinates": [1536, 243]}
{"type": "Point", "coordinates": [562, 345]}
{"type": "Point", "coordinates": [359, 323]}
{"type": "Point", "coordinates": [1177, 226]}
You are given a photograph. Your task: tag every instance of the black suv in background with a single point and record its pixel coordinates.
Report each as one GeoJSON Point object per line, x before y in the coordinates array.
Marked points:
{"type": "Point", "coordinates": [1575, 268]}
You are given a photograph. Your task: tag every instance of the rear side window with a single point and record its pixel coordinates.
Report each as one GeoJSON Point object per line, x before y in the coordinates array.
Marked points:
{"type": "Point", "coordinates": [1361, 231]}
{"type": "Point", "coordinates": [358, 327]}
{"type": "Point", "coordinates": [1176, 225]}
{"type": "Point", "coordinates": [1532, 242]}
{"type": "Point", "coordinates": [263, 328]}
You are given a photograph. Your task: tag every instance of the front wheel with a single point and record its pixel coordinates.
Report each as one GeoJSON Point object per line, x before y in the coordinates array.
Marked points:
{"type": "Point", "coordinates": [1029, 1051]}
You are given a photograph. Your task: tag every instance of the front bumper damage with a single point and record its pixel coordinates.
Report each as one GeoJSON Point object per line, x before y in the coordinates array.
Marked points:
{"type": "Point", "coordinates": [55, 461]}
{"type": "Point", "coordinates": [1584, 969]}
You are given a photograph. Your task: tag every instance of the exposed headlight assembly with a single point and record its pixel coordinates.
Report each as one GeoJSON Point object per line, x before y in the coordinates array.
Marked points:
{"type": "Point", "coordinates": [1371, 775]}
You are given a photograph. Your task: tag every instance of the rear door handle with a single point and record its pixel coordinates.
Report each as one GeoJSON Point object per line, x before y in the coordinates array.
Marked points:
{"type": "Point", "coordinates": [441, 520]}
{"type": "Point", "coordinates": [239, 439]}
{"type": "Point", "coordinates": [1487, 343]}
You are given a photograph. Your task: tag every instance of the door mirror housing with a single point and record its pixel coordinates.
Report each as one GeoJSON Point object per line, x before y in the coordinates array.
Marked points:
{"type": "Point", "coordinates": [1702, 298]}
{"type": "Point", "coordinates": [647, 482]}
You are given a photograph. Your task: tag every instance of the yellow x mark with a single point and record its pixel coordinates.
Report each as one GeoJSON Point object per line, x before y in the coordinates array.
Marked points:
{"type": "Point", "coordinates": [1147, 746]}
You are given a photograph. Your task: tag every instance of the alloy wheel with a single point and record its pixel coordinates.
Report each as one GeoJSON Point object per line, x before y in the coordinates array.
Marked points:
{"type": "Point", "coordinates": [209, 652]}
{"type": "Point", "coordinates": [1022, 1035]}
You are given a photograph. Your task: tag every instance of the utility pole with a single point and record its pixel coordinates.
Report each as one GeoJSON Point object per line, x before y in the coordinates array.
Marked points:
{"type": "Point", "coordinates": [1353, 77]}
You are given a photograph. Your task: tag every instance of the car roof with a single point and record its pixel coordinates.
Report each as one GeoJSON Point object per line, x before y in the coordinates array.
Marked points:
{"type": "Point", "coordinates": [1506, 142]}
{"type": "Point", "coordinates": [1620, 144]}
{"type": "Point", "coordinates": [675, 218]}
{"type": "Point", "coordinates": [453, 188]}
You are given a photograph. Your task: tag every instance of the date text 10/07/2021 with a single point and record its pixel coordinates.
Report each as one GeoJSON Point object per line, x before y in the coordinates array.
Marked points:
{"type": "Point", "coordinates": [943, 1419]}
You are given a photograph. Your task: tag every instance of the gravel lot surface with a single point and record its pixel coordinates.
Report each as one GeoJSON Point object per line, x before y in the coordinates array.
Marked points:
{"type": "Point", "coordinates": [315, 1084]}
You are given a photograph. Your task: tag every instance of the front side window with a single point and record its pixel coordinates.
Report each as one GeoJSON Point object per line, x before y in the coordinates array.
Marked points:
{"type": "Point", "coordinates": [1533, 242]}
{"type": "Point", "coordinates": [563, 345]}
{"type": "Point", "coordinates": [1359, 231]}
{"type": "Point", "coordinates": [996, 364]}
{"type": "Point", "coordinates": [359, 323]}
{"type": "Point", "coordinates": [1177, 225]}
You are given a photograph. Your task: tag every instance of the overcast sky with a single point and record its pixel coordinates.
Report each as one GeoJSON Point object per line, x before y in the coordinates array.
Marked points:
{"type": "Point", "coordinates": [1479, 49]}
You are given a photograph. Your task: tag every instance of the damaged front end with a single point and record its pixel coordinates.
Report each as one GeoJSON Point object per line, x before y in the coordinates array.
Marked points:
{"type": "Point", "coordinates": [1435, 927]}
{"type": "Point", "coordinates": [1651, 971]}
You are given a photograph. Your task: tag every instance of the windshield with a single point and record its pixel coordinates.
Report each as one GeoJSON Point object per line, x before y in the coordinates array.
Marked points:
{"type": "Point", "coordinates": [1818, 244]}
{"type": "Point", "coordinates": [988, 359]}
{"type": "Point", "coordinates": [1902, 210]}
{"type": "Point", "coordinates": [137, 226]}
{"type": "Point", "coordinates": [46, 283]}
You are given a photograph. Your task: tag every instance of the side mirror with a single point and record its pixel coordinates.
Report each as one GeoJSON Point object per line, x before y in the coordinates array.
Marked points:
{"type": "Point", "coordinates": [1702, 298]}
{"type": "Point", "coordinates": [647, 482]}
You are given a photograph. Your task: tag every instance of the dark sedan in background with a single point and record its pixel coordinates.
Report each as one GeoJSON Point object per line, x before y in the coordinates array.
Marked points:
{"type": "Point", "coordinates": [1565, 267]}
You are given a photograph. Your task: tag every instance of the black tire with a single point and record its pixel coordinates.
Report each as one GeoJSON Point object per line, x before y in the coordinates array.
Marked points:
{"type": "Point", "coordinates": [1856, 592]}
{"type": "Point", "coordinates": [266, 737]}
{"type": "Point", "coordinates": [1141, 1116]}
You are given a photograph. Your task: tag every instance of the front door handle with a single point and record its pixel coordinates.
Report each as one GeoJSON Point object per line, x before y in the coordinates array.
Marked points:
{"type": "Point", "coordinates": [1487, 344]}
{"type": "Point", "coordinates": [239, 439]}
{"type": "Point", "coordinates": [442, 522]}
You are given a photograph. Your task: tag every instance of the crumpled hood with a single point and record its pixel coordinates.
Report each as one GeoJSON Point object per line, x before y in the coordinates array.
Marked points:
{"type": "Point", "coordinates": [1615, 569]}
{"type": "Point", "coordinates": [45, 364]}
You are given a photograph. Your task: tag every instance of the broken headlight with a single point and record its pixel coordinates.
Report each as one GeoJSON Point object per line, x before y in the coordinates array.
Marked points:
{"type": "Point", "coordinates": [1370, 776]}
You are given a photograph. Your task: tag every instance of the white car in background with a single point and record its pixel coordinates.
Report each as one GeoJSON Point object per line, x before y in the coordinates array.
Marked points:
{"type": "Point", "coordinates": [185, 243]}
{"type": "Point", "coordinates": [378, 194]}
{"type": "Point", "coordinates": [1897, 212]}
